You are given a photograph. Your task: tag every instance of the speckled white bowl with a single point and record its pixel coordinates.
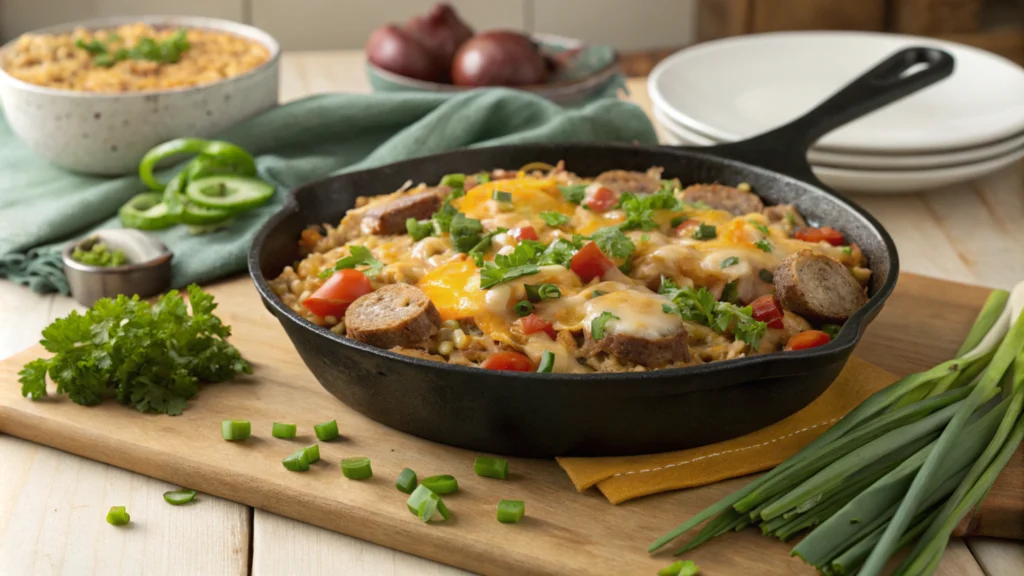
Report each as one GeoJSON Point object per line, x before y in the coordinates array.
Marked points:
{"type": "Point", "coordinates": [108, 134]}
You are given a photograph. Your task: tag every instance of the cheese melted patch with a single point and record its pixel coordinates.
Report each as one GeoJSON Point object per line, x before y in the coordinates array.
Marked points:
{"type": "Point", "coordinates": [640, 314]}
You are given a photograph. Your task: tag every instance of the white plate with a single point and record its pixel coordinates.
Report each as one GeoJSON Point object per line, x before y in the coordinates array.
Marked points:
{"type": "Point", "coordinates": [870, 161]}
{"type": "Point", "coordinates": [734, 88]}
{"type": "Point", "coordinates": [889, 181]}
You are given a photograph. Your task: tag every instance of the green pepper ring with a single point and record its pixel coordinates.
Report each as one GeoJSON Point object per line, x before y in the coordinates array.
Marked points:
{"type": "Point", "coordinates": [236, 193]}
{"type": "Point", "coordinates": [146, 211]}
{"type": "Point", "coordinates": [225, 153]}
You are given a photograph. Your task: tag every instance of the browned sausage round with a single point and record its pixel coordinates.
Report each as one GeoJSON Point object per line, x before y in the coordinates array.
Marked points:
{"type": "Point", "coordinates": [817, 287]}
{"type": "Point", "coordinates": [393, 315]}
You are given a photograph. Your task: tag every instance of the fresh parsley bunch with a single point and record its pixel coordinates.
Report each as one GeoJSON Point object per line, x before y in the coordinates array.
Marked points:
{"type": "Point", "coordinates": [153, 357]}
{"type": "Point", "coordinates": [700, 306]}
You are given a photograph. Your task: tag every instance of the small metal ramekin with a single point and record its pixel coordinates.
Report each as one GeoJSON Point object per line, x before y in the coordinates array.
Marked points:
{"type": "Point", "coordinates": [147, 272]}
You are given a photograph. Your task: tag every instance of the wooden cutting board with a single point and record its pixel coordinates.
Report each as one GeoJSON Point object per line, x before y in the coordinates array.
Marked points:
{"type": "Point", "coordinates": [564, 532]}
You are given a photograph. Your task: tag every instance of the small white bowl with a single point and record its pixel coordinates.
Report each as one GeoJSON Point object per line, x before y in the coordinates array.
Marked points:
{"type": "Point", "coordinates": [107, 134]}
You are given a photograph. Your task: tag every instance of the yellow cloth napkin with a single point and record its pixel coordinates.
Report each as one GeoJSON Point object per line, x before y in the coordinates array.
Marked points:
{"type": "Point", "coordinates": [623, 478]}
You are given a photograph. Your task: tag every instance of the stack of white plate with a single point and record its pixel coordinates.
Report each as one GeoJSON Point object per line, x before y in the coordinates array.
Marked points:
{"type": "Point", "coordinates": [960, 128]}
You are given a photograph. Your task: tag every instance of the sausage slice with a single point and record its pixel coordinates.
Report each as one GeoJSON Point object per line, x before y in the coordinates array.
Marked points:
{"type": "Point", "coordinates": [652, 353]}
{"type": "Point", "coordinates": [389, 217]}
{"type": "Point", "coordinates": [636, 182]}
{"type": "Point", "coordinates": [393, 315]}
{"type": "Point", "coordinates": [644, 333]}
{"type": "Point", "coordinates": [817, 287]}
{"type": "Point", "coordinates": [725, 198]}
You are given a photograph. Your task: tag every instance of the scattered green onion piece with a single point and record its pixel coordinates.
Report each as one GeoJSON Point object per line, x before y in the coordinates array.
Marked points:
{"type": "Point", "coordinates": [313, 453]}
{"type": "Point", "coordinates": [118, 516]}
{"type": "Point", "coordinates": [297, 462]}
{"type": "Point", "coordinates": [538, 292]}
{"type": "Point", "coordinates": [179, 497]}
{"type": "Point", "coordinates": [511, 511]}
{"type": "Point", "coordinates": [483, 177]}
{"type": "Point", "coordinates": [730, 261]}
{"type": "Point", "coordinates": [235, 430]}
{"type": "Point", "coordinates": [453, 180]}
{"type": "Point", "coordinates": [491, 467]}
{"type": "Point", "coordinates": [764, 245]}
{"type": "Point", "coordinates": [356, 468]}
{"type": "Point", "coordinates": [442, 484]}
{"type": "Point", "coordinates": [279, 430]}
{"type": "Point", "coordinates": [761, 227]}
{"type": "Point", "coordinates": [831, 329]}
{"type": "Point", "coordinates": [705, 232]}
{"type": "Point", "coordinates": [500, 196]}
{"type": "Point", "coordinates": [766, 275]}
{"type": "Point", "coordinates": [680, 568]}
{"type": "Point", "coordinates": [597, 324]}
{"type": "Point", "coordinates": [523, 308]}
{"type": "Point", "coordinates": [327, 431]}
{"type": "Point", "coordinates": [547, 362]}
{"type": "Point", "coordinates": [424, 503]}
{"type": "Point", "coordinates": [406, 481]}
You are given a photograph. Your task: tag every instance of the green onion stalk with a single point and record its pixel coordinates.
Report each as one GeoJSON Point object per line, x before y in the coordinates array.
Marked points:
{"type": "Point", "coordinates": [902, 469]}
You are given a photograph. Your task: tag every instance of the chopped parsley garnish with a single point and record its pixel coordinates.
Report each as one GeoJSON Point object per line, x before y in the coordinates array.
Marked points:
{"type": "Point", "coordinates": [596, 293]}
{"type": "Point", "coordinates": [500, 196]}
{"type": "Point", "coordinates": [558, 252]}
{"type": "Point", "coordinates": [645, 238]}
{"type": "Point", "coordinates": [705, 232]}
{"type": "Point", "coordinates": [358, 256]}
{"type": "Point", "coordinates": [521, 262]}
{"type": "Point", "coordinates": [419, 229]}
{"type": "Point", "coordinates": [699, 306]}
{"type": "Point", "coordinates": [766, 275]}
{"type": "Point", "coordinates": [477, 252]}
{"type": "Point", "coordinates": [831, 329]}
{"type": "Point", "coordinates": [538, 292]}
{"type": "Point", "coordinates": [640, 209]}
{"type": "Point", "coordinates": [443, 217]}
{"type": "Point", "coordinates": [554, 219]}
{"type": "Point", "coordinates": [761, 227]}
{"type": "Point", "coordinates": [730, 261]}
{"type": "Point", "coordinates": [764, 245]}
{"type": "Point", "coordinates": [626, 267]}
{"type": "Point", "coordinates": [151, 356]}
{"type": "Point", "coordinates": [465, 232]}
{"type": "Point", "coordinates": [790, 218]}
{"type": "Point", "coordinates": [730, 293]}
{"type": "Point", "coordinates": [669, 309]}
{"type": "Point", "coordinates": [597, 324]}
{"type": "Point", "coordinates": [524, 308]}
{"type": "Point", "coordinates": [574, 192]}
{"type": "Point", "coordinates": [613, 242]}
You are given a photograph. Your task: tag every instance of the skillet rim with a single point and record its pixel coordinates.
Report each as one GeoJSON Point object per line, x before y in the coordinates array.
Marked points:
{"type": "Point", "coordinates": [779, 365]}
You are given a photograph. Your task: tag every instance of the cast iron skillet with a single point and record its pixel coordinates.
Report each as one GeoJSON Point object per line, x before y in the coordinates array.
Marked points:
{"type": "Point", "coordinates": [608, 413]}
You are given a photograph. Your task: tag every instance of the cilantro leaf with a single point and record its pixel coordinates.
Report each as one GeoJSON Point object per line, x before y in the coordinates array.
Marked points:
{"type": "Point", "coordinates": [465, 232]}
{"type": "Point", "coordinates": [730, 293]}
{"type": "Point", "coordinates": [740, 321]}
{"type": "Point", "coordinates": [558, 252]}
{"type": "Point", "coordinates": [597, 324]}
{"type": "Point", "coordinates": [505, 267]}
{"type": "Point", "coordinates": [640, 209]}
{"type": "Point", "coordinates": [554, 219]}
{"type": "Point", "coordinates": [699, 306]}
{"type": "Point", "coordinates": [358, 256]}
{"type": "Point", "coordinates": [443, 217]}
{"type": "Point", "coordinates": [573, 192]}
{"type": "Point", "coordinates": [613, 242]}
{"type": "Point", "coordinates": [477, 252]}
{"type": "Point", "coordinates": [151, 356]}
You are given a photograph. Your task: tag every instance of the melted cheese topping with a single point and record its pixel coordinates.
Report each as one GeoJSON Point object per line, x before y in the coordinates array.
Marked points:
{"type": "Point", "coordinates": [639, 313]}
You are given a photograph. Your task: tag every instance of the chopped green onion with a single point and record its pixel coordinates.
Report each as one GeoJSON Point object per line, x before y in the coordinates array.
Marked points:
{"type": "Point", "coordinates": [538, 292]}
{"type": "Point", "coordinates": [297, 462]}
{"type": "Point", "coordinates": [483, 177]}
{"type": "Point", "coordinates": [313, 453]}
{"type": "Point", "coordinates": [705, 232]}
{"type": "Point", "coordinates": [554, 219]}
{"type": "Point", "coordinates": [356, 468]}
{"type": "Point", "coordinates": [677, 221]}
{"type": "Point", "coordinates": [597, 293]}
{"type": "Point", "coordinates": [406, 481]}
{"type": "Point", "coordinates": [547, 362]}
{"type": "Point", "coordinates": [523, 308]}
{"type": "Point", "coordinates": [847, 250]}
{"type": "Point", "coordinates": [500, 196]}
{"type": "Point", "coordinates": [680, 568]}
{"type": "Point", "coordinates": [179, 497]}
{"type": "Point", "coordinates": [491, 467]}
{"type": "Point", "coordinates": [831, 329]}
{"type": "Point", "coordinates": [279, 430]}
{"type": "Point", "coordinates": [423, 503]}
{"type": "Point", "coordinates": [118, 516]}
{"type": "Point", "coordinates": [235, 430]}
{"type": "Point", "coordinates": [442, 485]}
{"type": "Point", "coordinates": [761, 227]}
{"type": "Point", "coordinates": [764, 245]}
{"type": "Point", "coordinates": [511, 511]}
{"type": "Point", "coordinates": [730, 261]}
{"type": "Point", "coordinates": [766, 275]}
{"type": "Point", "coordinates": [598, 323]}
{"type": "Point", "coordinates": [327, 431]}
{"type": "Point", "coordinates": [419, 229]}
{"type": "Point", "coordinates": [731, 292]}
{"type": "Point", "coordinates": [453, 180]}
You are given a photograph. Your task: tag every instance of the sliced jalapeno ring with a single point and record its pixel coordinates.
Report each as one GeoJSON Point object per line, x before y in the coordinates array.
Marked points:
{"type": "Point", "coordinates": [225, 153]}
{"type": "Point", "coordinates": [231, 193]}
{"type": "Point", "coordinates": [174, 196]}
{"type": "Point", "coordinates": [146, 211]}
{"type": "Point", "coordinates": [201, 216]}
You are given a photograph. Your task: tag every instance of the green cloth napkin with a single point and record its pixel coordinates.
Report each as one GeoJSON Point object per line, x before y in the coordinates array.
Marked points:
{"type": "Point", "coordinates": [43, 207]}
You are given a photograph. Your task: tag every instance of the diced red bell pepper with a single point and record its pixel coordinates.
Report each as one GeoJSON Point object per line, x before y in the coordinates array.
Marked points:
{"type": "Point", "coordinates": [823, 234]}
{"type": "Point", "coordinates": [525, 233]}
{"type": "Point", "coordinates": [513, 361]}
{"type": "Point", "coordinates": [590, 262]}
{"type": "Point", "coordinates": [767, 309]}
{"type": "Point", "coordinates": [602, 200]}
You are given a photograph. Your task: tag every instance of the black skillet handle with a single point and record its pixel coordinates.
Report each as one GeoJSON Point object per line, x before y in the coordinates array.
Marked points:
{"type": "Point", "coordinates": [784, 149]}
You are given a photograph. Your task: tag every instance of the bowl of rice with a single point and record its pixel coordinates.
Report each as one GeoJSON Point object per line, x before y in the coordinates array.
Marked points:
{"type": "Point", "coordinates": [94, 96]}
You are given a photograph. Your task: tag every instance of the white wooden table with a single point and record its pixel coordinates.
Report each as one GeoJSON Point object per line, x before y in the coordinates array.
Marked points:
{"type": "Point", "coordinates": [52, 504]}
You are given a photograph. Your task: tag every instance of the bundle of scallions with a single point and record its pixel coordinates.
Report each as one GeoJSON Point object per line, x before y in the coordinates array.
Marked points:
{"type": "Point", "coordinates": [903, 467]}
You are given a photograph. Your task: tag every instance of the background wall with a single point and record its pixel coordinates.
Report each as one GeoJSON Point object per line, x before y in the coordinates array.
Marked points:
{"type": "Point", "coordinates": [336, 24]}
